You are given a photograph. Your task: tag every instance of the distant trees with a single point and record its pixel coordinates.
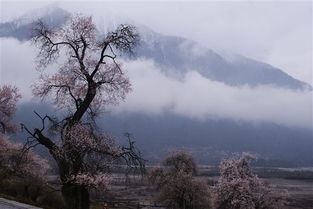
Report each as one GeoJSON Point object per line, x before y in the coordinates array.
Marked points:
{"type": "Point", "coordinates": [239, 188]}
{"type": "Point", "coordinates": [178, 189]}
{"type": "Point", "coordinates": [88, 78]}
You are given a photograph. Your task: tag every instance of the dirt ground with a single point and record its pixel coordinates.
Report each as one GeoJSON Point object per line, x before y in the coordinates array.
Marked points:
{"type": "Point", "coordinates": [138, 194]}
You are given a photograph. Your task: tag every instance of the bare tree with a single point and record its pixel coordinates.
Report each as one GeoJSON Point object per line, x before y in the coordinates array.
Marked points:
{"type": "Point", "coordinates": [88, 78]}
{"type": "Point", "coordinates": [239, 188]}
{"type": "Point", "coordinates": [178, 189]}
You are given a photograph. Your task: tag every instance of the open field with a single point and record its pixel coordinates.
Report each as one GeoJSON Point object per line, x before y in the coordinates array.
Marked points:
{"type": "Point", "coordinates": [300, 191]}
{"type": "Point", "coordinates": [138, 194]}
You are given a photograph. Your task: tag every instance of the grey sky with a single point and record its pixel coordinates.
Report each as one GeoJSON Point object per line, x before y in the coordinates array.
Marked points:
{"type": "Point", "coordinates": [276, 32]}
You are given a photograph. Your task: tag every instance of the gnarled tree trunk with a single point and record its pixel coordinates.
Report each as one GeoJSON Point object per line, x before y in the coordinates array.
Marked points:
{"type": "Point", "coordinates": [75, 196]}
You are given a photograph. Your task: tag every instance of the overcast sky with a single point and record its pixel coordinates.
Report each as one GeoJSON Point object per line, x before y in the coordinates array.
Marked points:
{"type": "Point", "coordinates": [279, 33]}
{"type": "Point", "coordinates": [276, 32]}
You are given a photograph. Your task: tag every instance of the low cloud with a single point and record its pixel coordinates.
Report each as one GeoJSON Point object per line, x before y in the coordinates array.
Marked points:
{"type": "Point", "coordinates": [17, 65]}
{"type": "Point", "coordinates": [200, 98]}
{"type": "Point", "coordinates": [193, 96]}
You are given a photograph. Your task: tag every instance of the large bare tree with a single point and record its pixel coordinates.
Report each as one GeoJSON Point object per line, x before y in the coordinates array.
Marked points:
{"type": "Point", "coordinates": [88, 78]}
{"type": "Point", "coordinates": [176, 185]}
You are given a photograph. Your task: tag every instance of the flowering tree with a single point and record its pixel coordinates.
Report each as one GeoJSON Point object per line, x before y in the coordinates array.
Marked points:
{"type": "Point", "coordinates": [9, 95]}
{"type": "Point", "coordinates": [14, 161]}
{"type": "Point", "coordinates": [239, 188]}
{"type": "Point", "coordinates": [177, 187]}
{"type": "Point", "coordinates": [88, 78]}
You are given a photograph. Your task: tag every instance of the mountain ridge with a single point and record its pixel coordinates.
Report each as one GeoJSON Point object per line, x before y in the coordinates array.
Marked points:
{"type": "Point", "coordinates": [177, 55]}
{"type": "Point", "coordinates": [21, 27]}
{"type": "Point", "coordinates": [183, 55]}
{"type": "Point", "coordinates": [210, 140]}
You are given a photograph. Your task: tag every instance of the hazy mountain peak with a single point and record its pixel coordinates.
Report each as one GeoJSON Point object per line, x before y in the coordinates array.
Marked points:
{"type": "Point", "coordinates": [38, 13]}
{"type": "Point", "coordinates": [20, 28]}
{"type": "Point", "coordinates": [174, 55]}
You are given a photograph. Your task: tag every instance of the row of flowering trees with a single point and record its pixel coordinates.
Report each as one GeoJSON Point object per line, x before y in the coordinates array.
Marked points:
{"type": "Point", "coordinates": [87, 78]}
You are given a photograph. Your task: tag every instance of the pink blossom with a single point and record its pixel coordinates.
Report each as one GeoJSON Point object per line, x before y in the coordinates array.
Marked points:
{"type": "Point", "coordinates": [238, 187]}
{"type": "Point", "coordinates": [81, 139]}
{"type": "Point", "coordinates": [100, 181]}
{"type": "Point", "coordinates": [8, 98]}
{"type": "Point", "coordinates": [17, 163]}
{"type": "Point", "coordinates": [82, 48]}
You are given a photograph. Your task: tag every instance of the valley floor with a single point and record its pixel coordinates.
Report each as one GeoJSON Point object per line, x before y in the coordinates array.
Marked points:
{"type": "Point", "coordinates": [138, 193]}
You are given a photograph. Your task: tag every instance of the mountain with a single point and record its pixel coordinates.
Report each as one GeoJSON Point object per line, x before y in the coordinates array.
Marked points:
{"type": "Point", "coordinates": [209, 140]}
{"type": "Point", "coordinates": [20, 28]}
{"type": "Point", "coordinates": [174, 55]}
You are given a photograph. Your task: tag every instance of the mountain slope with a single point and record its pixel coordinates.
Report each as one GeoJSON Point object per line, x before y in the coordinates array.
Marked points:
{"type": "Point", "coordinates": [21, 28]}
{"type": "Point", "coordinates": [179, 55]}
{"type": "Point", "coordinates": [175, 55]}
{"type": "Point", "coordinates": [209, 140]}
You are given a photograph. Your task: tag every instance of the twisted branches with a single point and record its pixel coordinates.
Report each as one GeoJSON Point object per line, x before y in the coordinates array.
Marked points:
{"type": "Point", "coordinates": [89, 78]}
{"type": "Point", "coordinates": [83, 78]}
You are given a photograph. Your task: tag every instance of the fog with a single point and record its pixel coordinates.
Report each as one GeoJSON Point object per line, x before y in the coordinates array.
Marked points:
{"type": "Point", "coordinates": [17, 65]}
{"type": "Point", "coordinates": [200, 98]}
{"type": "Point", "coordinates": [194, 96]}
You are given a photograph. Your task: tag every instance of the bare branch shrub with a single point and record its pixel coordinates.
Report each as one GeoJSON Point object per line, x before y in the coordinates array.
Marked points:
{"type": "Point", "coordinates": [178, 188]}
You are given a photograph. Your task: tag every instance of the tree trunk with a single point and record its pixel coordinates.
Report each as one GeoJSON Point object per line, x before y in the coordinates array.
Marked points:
{"type": "Point", "coordinates": [75, 196]}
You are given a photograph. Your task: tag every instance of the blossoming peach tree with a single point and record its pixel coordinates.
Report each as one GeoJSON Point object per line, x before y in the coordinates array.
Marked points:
{"type": "Point", "coordinates": [239, 188]}
{"type": "Point", "coordinates": [14, 160]}
{"type": "Point", "coordinates": [88, 78]}
{"type": "Point", "coordinates": [9, 96]}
